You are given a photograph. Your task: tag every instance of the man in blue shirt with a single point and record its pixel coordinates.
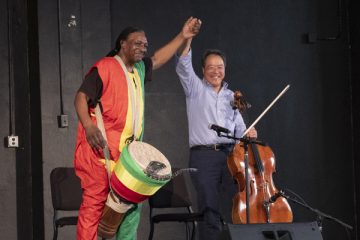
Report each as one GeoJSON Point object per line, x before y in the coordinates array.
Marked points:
{"type": "Point", "coordinates": [208, 102]}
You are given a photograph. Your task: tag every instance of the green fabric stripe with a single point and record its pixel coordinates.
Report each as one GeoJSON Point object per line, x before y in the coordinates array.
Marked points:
{"type": "Point", "coordinates": [128, 227]}
{"type": "Point", "coordinates": [140, 67]}
{"type": "Point", "coordinates": [135, 170]}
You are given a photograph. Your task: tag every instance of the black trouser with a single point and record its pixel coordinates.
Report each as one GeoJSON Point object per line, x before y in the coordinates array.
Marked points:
{"type": "Point", "coordinates": [215, 189]}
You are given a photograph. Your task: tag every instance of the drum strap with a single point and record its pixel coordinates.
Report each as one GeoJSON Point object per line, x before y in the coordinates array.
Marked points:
{"type": "Point", "coordinates": [135, 112]}
{"type": "Point", "coordinates": [100, 123]}
{"type": "Point", "coordinates": [134, 99]}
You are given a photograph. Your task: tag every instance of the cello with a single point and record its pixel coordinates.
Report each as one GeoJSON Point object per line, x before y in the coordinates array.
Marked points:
{"type": "Point", "coordinates": [252, 164]}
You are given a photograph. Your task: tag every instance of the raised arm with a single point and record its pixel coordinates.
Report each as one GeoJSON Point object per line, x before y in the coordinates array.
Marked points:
{"type": "Point", "coordinates": [189, 30]}
{"type": "Point", "coordinates": [185, 48]}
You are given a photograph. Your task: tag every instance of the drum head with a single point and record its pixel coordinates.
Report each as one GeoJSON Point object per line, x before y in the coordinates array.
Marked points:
{"type": "Point", "coordinates": [146, 155]}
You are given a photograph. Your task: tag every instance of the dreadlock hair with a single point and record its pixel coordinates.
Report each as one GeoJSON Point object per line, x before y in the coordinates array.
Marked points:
{"type": "Point", "coordinates": [122, 36]}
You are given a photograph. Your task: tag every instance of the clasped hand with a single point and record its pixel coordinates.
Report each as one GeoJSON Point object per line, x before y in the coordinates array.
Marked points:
{"type": "Point", "coordinates": [191, 27]}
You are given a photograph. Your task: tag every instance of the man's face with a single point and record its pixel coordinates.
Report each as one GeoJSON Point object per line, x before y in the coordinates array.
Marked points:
{"type": "Point", "coordinates": [135, 47]}
{"type": "Point", "coordinates": [214, 70]}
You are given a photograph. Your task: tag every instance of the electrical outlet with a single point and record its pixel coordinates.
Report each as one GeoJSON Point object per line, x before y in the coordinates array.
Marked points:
{"type": "Point", "coordinates": [12, 141]}
{"type": "Point", "coordinates": [63, 121]}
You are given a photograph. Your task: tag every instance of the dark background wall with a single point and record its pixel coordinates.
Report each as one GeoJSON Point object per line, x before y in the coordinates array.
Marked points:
{"type": "Point", "coordinates": [355, 86]}
{"type": "Point", "coordinates": [313, 129]}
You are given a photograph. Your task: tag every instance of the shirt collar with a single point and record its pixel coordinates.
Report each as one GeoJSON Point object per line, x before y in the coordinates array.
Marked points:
{"type": "Point", "coordinates": [223, 87]}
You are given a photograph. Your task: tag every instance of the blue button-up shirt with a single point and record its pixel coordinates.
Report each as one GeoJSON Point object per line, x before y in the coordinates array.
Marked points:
{"type": "Point", "coordinates": [205, 106]}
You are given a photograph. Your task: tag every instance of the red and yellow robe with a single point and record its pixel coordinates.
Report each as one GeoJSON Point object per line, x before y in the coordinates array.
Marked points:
{"type": "Point", "coordinates": [118, 122]}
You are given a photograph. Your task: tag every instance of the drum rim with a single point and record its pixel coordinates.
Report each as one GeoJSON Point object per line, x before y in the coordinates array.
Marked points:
{"type": "Point", "coordinates": [135, 170]}
{"type": "Point", "coordinates": [129, 181]}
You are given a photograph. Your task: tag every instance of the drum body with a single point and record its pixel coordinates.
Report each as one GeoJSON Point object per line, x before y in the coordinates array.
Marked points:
{"type": "Point", "coordinates": [112, 215]}
{"type": "Point", "coordinates": [140, 172]}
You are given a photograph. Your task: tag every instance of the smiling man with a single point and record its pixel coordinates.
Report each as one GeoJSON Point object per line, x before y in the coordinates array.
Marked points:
{"type": "Point", "coordinates": [208, 102]}
{"type": "Point", "coordinates": [120, 93]}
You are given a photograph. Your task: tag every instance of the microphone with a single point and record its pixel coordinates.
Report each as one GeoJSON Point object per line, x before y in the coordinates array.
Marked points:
{"type": "Point", "coordinates": [219, 129]}
{"type": "Point", "coordinates": [274, 197]}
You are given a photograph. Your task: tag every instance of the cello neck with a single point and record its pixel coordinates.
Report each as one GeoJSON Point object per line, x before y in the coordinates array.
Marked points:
{"type": "Point", "coordinates": [259, 165]}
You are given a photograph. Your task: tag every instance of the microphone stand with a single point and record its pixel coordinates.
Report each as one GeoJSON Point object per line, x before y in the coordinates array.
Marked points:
{"type": "Point", "coordinates": [320, 215]}
{"type": "Point", "coordinates": [246, 163]}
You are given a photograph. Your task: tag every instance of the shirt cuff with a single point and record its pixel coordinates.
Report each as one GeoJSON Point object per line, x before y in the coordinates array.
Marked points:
{"type": "Point", "coordinates": [186, 57]}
